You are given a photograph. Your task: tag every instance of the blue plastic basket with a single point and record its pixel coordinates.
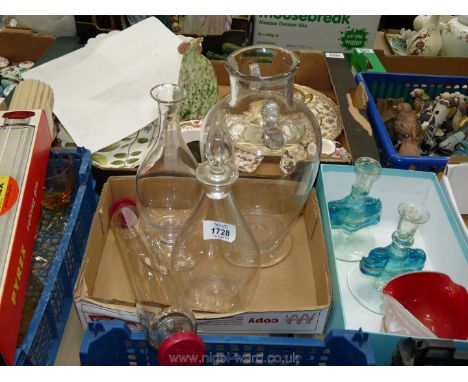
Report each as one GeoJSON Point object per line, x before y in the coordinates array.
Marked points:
{"type": "Point", "coordinates": [112, 343]}
{"type": "Point", "coordinates": [397, 85]}
{"type": "Point", "coordinates": [42, 339]}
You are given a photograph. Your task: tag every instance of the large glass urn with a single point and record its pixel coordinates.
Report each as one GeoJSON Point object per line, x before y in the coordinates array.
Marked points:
{"type": "Point", "coordinates": [277, 144]}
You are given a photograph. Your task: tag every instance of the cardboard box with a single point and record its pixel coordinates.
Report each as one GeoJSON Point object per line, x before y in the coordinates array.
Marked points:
{"type": "Point", "coordinates": [299, 284]}
{"type": "Point", "coordinates": [328, 33]}
{"type": "Point", "coordinates": [20, 44]}
{"type": "Point", "coordinates": [441, 237]}
{"type": "Point", "coordinates": [20, 202]}
{"type": "Point", "coordinates": [313, 72]}
{"type": "Point", "coordinates": [454, 183]}
{"type": "Point", "coordinates": [448, 66]}
{"type": "Point", "coordinates": [446, 185]}
{"type": "Point", "coordinates": [457, 176]}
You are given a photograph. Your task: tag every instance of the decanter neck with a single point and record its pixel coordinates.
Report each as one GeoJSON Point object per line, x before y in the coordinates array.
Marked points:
{"type": "Point", "coordinates": [241, 88]}
{"type": "Point", "coordinates": [217, 192]}
{"type": "Point", "coordinates": [169, 117]}
{"type": "Point", "coordinates": [263, 70]}
{"type": "Point", "coordinates": [169, 98]}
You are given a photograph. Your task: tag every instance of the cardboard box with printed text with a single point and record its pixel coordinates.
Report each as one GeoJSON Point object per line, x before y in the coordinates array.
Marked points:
{"type": "Point", "coordinates": [291, 297]}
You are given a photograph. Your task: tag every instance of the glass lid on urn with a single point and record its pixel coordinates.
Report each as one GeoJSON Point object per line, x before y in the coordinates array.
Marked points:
{"type": "Point", "coordinates": [277, 144]}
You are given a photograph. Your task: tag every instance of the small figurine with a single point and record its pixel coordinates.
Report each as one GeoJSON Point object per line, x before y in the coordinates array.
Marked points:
{"type": "Point", "coordinates": [438, 117]}
{"type": "Point", "coordinates": [453, 140]}
{"type": "Point", "coordinates": [422, 102]}
{"type": "Point", "coordinates": [388, 111]}
{"type": "Point", "coordinates": [408, 130]}
{"type": "Point", "coordinates": [460, 119]}
{"type": "Point", "coordinates": [387, 107]}
{"type": "Point", "coordinates": [461, 149]}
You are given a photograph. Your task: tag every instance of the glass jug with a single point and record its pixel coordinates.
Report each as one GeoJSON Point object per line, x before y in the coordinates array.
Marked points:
{"type": "Point", "coordinates": [277, 144]}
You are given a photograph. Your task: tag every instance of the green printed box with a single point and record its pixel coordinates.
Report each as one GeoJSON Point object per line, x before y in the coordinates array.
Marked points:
{"type": "Point", "coordinates": [328, 33]}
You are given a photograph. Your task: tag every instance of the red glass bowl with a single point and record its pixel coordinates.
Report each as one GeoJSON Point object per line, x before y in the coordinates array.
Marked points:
{"type": "Point", "coordinates": [435, 300]}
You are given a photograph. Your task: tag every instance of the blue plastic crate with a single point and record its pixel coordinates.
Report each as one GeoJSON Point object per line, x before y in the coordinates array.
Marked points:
{"type": "Point", "coordinates": [42, 339]}
{"type": "Point", "coordinates": [112, 343]}
{"type": "Point", "coordinates": [397, 85]}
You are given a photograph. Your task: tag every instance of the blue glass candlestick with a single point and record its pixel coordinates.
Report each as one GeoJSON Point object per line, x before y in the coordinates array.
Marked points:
{"type": "Point", "coordinates": [398, 257]}
{"type": "Point", "coordinates": [356, 211]}
{"type": "Point", "coordinates": [385, 263]}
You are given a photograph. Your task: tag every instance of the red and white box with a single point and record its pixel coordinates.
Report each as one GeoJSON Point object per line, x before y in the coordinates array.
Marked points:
{"type": "Point", "coordinates": [25, 141]}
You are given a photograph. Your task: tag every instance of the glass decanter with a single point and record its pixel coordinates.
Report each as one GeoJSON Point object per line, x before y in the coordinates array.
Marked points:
{"type": "Point", "coordinates": [168, 322]}
{"type": "Point", "coordinates": [367, 279]}
{"type": "Point", "coordinates": [351, 215]}
{"type": "Point", "coordinates": [216, 258]}
{"type": "Point", "coordinates": [277, 144]}
{"type": "Point", "coordinates": [167, 190]}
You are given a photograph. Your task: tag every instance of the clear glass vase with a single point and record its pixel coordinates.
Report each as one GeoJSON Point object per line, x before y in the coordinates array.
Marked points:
{"type": "Point", "coordinates": [277, 144]}
{"type": "Point", "coordinates": [216, 258]}
{"type": "Point", "coordinates": [350, 216]}
{"type": "Point", "coordinates": [167, 190]}
{"type": "Point", "coordinates": [367, 280]}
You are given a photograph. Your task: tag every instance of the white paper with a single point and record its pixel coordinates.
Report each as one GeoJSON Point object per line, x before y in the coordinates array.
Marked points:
{"type": "Point", "coordinates": [102, 91]}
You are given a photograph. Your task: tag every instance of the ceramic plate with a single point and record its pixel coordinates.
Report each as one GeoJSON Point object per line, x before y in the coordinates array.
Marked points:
{"type": "Point", "coordinates": [130, 151]}
{"type": "Point", "coordinates": [325, 110]}
{"type": "Point", "coordinates": [396, 43]}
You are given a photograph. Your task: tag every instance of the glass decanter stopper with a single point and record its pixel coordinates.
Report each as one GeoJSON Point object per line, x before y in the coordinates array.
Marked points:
{"type": "Point", "coordinates": [355, 212]}
{"type": "Point", "coordinates": [384, 263]}
{"type": "Point", "coordinates": [168, 322]}
{"type": "Point", "coordinates": [215, 258]}
{"type": "Point", "coordinates": [167, 190]}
